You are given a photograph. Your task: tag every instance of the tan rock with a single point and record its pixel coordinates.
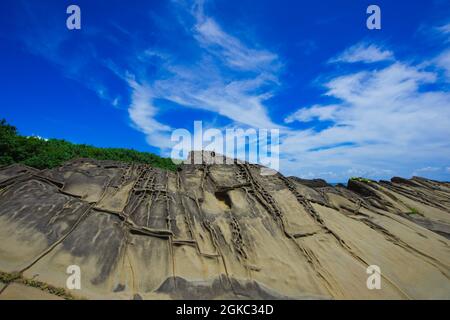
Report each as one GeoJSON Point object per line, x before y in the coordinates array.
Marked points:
{"type": "Point", "coordinates": [211, 231]}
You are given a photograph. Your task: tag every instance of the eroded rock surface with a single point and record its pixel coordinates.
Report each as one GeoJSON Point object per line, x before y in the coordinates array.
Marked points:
{"type": "Point", "coordinates": [222, 231]}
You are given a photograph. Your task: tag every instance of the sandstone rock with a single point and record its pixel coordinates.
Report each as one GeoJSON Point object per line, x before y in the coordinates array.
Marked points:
{"type": "Point", "coordinates": [211, 231]}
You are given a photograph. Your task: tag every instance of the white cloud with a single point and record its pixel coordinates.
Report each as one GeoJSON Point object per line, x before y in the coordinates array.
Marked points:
{"type": "Point", "coordinates": [444, 30]}
{"type": "Point", "coordinates": [203, 87]}
{"type": "Point", "coordinates": [440, 34]}
{"type": "Point", "coordinates": [142, 113]}
{"type": "Point", "coordinates": [37, 137]}
{"type": "Point", "coordinates": [386, 121]}
{"type": "Point", "coordinates": [364, 52]}
{"type": "Point", "coordinates": [231, 50]}
{"type": "Point", "coordinates": [228, 48]}
{"type": "Point", "coordinates": [318, 112]}
{"type": "Point", "coordinates": [431, 172]}
{"type": "Point", "coordinates": [443, 62]}
{"type": "Point", "coordinates": [230, 79]}
{"type": "Point", "coordinates": [425, 170]}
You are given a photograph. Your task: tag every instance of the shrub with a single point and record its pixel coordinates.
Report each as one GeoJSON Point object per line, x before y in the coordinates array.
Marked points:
{"type": "Point", "coordinates": [361, 179]}
{"type": "Point", "coordinates": [44, 154]}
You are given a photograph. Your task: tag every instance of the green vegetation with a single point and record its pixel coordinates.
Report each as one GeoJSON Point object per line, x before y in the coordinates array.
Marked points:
{"type": "Point", "coordinates": [8, 278]}
{"type": "Point", "coordinates": [361, 179]}
{"type": "Point", "coordinates": [42, 154]}
{"type": "Point", "coordinates": [60, 292]}
{"type": "Point", "coordinates": [414, 211]}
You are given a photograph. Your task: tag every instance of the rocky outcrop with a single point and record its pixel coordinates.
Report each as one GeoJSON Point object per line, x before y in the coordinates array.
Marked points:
{"type": "Point", "coordinates": [313, 183]}
{"type": "Point", "coordinates": [213, 231]}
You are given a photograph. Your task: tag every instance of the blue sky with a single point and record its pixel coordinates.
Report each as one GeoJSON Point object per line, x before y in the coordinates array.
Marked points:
{"type": "Point", "coordinates": [348, 101]}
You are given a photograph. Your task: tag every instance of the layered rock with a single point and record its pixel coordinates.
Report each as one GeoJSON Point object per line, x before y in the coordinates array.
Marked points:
{"type": "Point", "coordinates": [221, 231]}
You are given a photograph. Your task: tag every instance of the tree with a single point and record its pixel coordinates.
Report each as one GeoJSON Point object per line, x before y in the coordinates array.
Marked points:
{"type": "Point", "coordinates": [42, 154]}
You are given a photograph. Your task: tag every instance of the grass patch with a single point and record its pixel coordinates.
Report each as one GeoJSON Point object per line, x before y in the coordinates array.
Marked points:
{"type": "Point", "coordinates": [60, 292]}
{"type": "Point", "coordinates": [7, 278]}
{"type": "Point", "coordinates": [414, 211]}
{"type": "Point", "coordinates": [16, 277]}
{"type": "Point", "coordinates": [359, 179]}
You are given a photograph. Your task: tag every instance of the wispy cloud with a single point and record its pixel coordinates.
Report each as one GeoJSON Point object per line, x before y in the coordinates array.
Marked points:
{"type": "Point", "coordinates": [230, 49]}
{"type": "Point", "coordinates": [443, 62]}
{"type": "Point", "coordinates": [444, 30]}
{"type": "Point", "coordinates": [316, 112]}
{"type": "Point", "coordinates": [364, 52]}
{"type": "Point", "coordinates": [230, 78]}
{"type": "Point", "coordinates": [386, 120]}
{"type": "Point", "coordinates": [223, 75]}
{"type": "Point", "coordinates": [142, 112]}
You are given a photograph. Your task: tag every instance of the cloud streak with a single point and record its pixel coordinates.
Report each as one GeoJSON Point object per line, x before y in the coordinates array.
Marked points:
{"type": "Point", "coordinates": [386, 115]}
{"type": "Point", "coordinates": [387, 120]}
{"type": "Point", "coordinates": [229, 78]}
{"type": "Point", "coordinates": [364, 52]}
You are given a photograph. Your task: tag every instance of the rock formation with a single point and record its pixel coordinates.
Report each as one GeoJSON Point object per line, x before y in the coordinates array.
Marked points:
{"type": "Point", "coordinates": [218, 231]}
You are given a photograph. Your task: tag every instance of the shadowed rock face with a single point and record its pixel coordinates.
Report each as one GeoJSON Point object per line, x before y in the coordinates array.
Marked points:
{"type": "Point", "coordinates": [222, 231]}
